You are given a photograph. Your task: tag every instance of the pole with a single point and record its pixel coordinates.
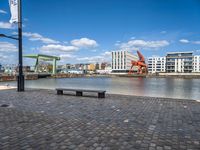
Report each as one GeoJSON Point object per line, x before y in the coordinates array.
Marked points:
{"type": "Point", "coordinates": [20, 78]}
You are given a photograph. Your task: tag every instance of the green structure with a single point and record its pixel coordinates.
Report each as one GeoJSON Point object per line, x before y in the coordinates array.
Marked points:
{"type": "Point", "coordinates": [44, 58]}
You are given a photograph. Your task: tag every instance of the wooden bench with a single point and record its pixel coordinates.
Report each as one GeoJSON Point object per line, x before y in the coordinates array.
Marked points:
{"type": "Point", "coordinates": [79, 92]}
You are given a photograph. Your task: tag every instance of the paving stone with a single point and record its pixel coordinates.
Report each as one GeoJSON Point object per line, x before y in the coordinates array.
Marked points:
{"type": "Point", "coordinates": [167, 147]}
{"type": "Point", "coordinates": [152, 148]}
{"type": "Point", "coordinates": [98, 148]}
{"type": "Point", "coordinates": [152, 144]}
{"type": "Point", "coordinates": [159, 148]}
{"type": "Point", "coordinates": [40, 119]}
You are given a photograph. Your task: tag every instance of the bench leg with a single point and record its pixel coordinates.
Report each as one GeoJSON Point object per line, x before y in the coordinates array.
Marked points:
{"type": "Point", "coordinates": [101, 95]}
{"type": "Point", "coordinates": [59, 92]}
{"type": "Point", "coordinates": [79, 93]}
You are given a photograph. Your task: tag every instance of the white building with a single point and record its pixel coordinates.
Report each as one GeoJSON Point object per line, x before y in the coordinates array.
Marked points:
{"type": "Point", "coordinates": [196, 64]}
{"type": "Point", "coordinates": [156, 64]}
{"type": "Point", "coordinates": [121, 61]}
{"type": "Point", "coordinates": [179, 62]}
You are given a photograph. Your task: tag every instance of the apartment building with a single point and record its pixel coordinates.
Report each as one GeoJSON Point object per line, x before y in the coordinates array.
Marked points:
{"type": "Point", "coordinates": [179, 62]}
{"type": "Point", "coordinates": [121, 61]}
{"type": "Point", "coordinates": [196, 64]}
{"type": "Point", "coordinates": [156, 64]}
{"type": "Point", "coordinates": [91, 67]}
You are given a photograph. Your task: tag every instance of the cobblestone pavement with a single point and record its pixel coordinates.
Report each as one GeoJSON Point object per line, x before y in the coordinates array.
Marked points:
{"type": "Point", "coordinates": [40, 119]}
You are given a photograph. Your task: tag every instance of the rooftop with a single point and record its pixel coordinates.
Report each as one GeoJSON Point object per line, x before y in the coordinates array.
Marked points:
{"type": "Point", "coordinates": [180, 52]}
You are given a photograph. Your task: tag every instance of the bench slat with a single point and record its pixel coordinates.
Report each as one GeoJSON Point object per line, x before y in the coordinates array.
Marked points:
{"type": "Point", "coordinates": [81, 90]}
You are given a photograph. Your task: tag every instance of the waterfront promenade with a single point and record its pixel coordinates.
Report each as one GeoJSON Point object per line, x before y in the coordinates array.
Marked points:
{"type": "Point", "coordinates": [40, 119]}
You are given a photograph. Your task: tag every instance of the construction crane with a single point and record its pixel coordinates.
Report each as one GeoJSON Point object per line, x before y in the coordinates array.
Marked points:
{"type": "Point", "coordinates": [140, 64]}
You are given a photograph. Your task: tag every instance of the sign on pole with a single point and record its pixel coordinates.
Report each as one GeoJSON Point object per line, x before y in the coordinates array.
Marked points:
{"type": "Point", "coordinates": [13, 10]}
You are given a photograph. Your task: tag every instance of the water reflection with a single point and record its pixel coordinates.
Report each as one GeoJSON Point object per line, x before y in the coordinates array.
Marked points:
{"type": "Point", "coordinates": [159, 87]}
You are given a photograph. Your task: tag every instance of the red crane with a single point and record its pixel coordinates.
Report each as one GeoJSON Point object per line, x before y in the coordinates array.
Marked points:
{"type": "Point", "coordinates": [140, 64]}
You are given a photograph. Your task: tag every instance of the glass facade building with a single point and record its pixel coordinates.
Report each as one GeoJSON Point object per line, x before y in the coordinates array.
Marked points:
{"type": "Point", "coordinates": [179, 62]}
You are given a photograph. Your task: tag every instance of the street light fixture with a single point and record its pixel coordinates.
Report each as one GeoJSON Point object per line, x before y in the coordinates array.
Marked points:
{"type": "Point", "coordinates": [10, 37]}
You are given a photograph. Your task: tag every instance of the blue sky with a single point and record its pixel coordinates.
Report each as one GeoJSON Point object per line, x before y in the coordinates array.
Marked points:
{"type": "Point", "coordinates": [87, 31]}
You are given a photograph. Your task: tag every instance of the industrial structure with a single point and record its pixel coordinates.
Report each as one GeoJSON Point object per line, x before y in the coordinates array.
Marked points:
{"type": "Point", "coordinates": [140, 64]}
{"type": "Point", "coordinates": [43, 57]}
{"type": "Point", "coordinates": [121, 61]}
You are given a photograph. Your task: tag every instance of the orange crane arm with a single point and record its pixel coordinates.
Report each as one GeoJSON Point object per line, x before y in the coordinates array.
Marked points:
{"type": "Point", "coordinates": [141, 57]}
{"type": "Point", "coordinates": [140, 63]}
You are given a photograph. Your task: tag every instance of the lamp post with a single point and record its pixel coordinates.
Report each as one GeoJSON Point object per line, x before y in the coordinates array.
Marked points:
{"type": "Point", "coordinates": [20, 77]}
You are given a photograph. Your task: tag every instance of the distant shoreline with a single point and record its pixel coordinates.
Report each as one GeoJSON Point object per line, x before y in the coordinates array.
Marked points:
{"type": "Point", "coordinates": [2, 87]}
{"type": "Point", "coordinates": [7, 78]}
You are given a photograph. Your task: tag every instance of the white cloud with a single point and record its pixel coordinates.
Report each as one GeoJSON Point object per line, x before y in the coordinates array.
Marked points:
{"type": "Point", "coordinates": [133, 38]}
{"type": "Point", "coordinates": [136, 44]}
{"type": "Point", "coordinates": [25, 19]}
{"type": "Point", "coordinates": [184, 41]}
{"type": "Point", "coordinates": [163, 32]}
{"type": "Point", "coordinates": [198, 50]}
{"type": "Point", "coordinates": [63, 48]}
{"type": "Point", "coordinates": [38, 37]}
{"type": "Point", "coordinates": [84, 43]}
{"type": "Point", "coordinates": [8, 53]}
{"type": "Point", "coordinates": [94, 50]}
{"type": "Point", "coordinates": [3, 56]}
{"type": "Point", "coordinates": [6, 25]}
{"type": "Point", "coordinates": [155, 56]}
{"type": "Point", "coordinates": [92, 59]}
{"type": "Point", "coordinates": [8, 58]}
{"type": "Point", "coordinates": [196, 42]}
{"type": "Point", "coordinates": [106, 54]}
{"type": "Point", "coordinates": [187, 41]}
{"type": "Point", "coordinates": [67, 56]}
{"type": "Point", "coordinates": [103, 57]}
{"type": "Point", "coordinates": [117, 43]}
{"type": "Point", "coordinates": [33, 48]}
{"type": "Point", "coordinates": [3, 11]}
{"type": "Point", "coordinates": [7, 47]}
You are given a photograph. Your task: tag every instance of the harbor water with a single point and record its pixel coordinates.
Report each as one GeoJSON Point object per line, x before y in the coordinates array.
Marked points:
{"type": "Point", "coordinates": [154, 87]}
